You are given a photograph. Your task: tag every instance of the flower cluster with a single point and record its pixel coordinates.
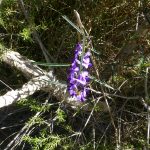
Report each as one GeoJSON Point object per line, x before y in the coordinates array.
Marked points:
{"type": "Point", "coordinates": [78, 78]}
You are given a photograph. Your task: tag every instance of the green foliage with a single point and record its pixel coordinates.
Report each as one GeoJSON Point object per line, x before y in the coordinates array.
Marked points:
{"type": "Point", "coordinates": [60, 115]}
{"type": "Point", "coordinates": [26, 34]}
{"type": "Point", "coordinates": [34, 105]}
{"type": "Point", "coordinates": [43, 142]}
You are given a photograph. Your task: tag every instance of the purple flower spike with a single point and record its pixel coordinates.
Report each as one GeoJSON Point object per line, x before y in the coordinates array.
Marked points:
{"type": "Point", "coordinates": [78, 79]}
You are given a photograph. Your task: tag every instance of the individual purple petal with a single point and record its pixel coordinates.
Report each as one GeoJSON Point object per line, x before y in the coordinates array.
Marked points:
{"type": "Point", "coordinates": [82, 78]}
{"type": "Point", "coordinates": [80, 81]}
{"type": "Point", "coordinates": [82, 96]}
{"type": "Point", "coordinates": [86, 60]}
{"type": "Point", "coordinates": [72, 92]}
{"type": "Point", "coordinates": [84, 73]}
{"type": "Point", "coordinates": [74, 69]}
{"type": "Point", "coordinates": [86, 65]}
{"type": "Point", "coordinates": [78, 50]}
{"type": "Point", "coordinates": [78, 47]}
{"type": "Point", "coordinates": [84, 93]}
{"type": "Point", "coordinates": [78, 62]}
{"type": "Point", "coordinates": [87, 54]}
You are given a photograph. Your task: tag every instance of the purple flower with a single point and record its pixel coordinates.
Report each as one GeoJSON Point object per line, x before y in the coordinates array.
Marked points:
{"type": "Point", "coordinates": [82, 95]}
{"type": "Point", "coordinates": [78, 50]}
{"type": "Point", "coordinates": [78, 79]}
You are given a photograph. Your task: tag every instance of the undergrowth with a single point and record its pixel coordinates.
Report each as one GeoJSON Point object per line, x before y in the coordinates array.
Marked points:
{"type": "Point", "coordinates": [121, 54]}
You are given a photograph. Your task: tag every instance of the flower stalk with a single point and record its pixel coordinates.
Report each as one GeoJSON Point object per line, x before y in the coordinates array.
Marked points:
{"type": "Point", "coordinates": [78, 79]}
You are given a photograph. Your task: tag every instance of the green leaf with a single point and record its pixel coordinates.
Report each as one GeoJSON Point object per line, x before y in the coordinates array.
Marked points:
{"type": "Point", "coordinates": [72, 24]}
{"type": "Point", "coordinates": [93, 50]}
{"type": "Point", "coordinates": [102, 83]}
{"type": "Point", "coordinates": [51, 64]}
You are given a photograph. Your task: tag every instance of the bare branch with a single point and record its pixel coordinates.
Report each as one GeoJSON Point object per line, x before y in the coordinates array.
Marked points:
{"type": "Point", "coordinates": [42, 80]}
{"type": "Point", "coordinates": [14, 59]}
{"type": "Point", "coordinates": [27, 89]}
